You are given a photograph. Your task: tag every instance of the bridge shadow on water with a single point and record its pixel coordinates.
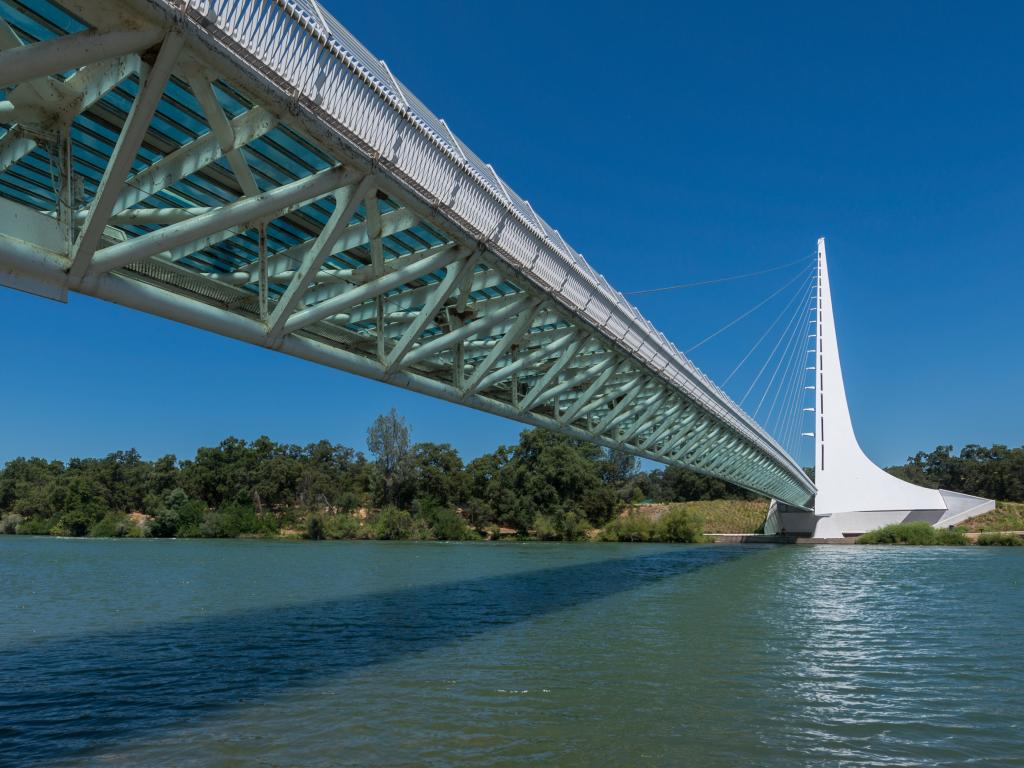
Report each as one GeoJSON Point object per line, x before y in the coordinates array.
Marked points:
{"type": "Point", "coordinates": [64, 698]}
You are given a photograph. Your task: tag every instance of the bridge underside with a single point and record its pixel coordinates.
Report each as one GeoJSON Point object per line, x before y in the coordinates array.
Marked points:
{"type": "Point", "coordinates": [147, 159]}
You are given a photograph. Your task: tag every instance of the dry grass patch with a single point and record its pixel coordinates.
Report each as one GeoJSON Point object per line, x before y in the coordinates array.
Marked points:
{"type": "Point", "coordinates": [1007, 516]}
{"type": "Point", "coordinates": [718, 516]}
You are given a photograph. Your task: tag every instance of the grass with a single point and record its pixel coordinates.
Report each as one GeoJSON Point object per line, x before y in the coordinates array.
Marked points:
{"type": "Point", "coordinates": [719, 515]}
{"type": "Point", "coordinates": [679, 526]}
{"type": "Point", "coordinates": [1007, 516]}
{"type": "Point", "coordinates": [731, 515]}
{"type": "Point", "coordinates": [917, 533]}
{"type": "Point", "coordinates": [686, 521]}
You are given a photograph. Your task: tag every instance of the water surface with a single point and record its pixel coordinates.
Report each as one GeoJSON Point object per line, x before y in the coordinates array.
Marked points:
{"type": "Point", "coordinates": [194, 653]}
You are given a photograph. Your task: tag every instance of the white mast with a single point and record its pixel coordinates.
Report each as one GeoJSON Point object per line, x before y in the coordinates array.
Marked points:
{"type": "Point", "coordinates": [855, 495]}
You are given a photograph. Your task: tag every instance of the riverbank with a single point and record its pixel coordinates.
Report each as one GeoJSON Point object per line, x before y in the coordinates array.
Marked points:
{"type": "Point", "coordinates": [545, 487]}
{"type": "Point", "coordinates": [681, 522]}
{"type": "Point", "coordinates": [719, 521]}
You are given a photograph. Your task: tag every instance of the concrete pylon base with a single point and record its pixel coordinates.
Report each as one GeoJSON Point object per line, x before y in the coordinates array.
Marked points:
{"type": "Point", "coordinates": [958, 508]}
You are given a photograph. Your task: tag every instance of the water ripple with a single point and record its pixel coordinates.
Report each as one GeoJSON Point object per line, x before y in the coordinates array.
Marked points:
{"type": "Point", "coordinates": [255, 653]}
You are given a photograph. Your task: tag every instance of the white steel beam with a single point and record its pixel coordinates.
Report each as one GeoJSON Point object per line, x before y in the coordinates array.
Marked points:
{"type": "Point", "coordinates": [346, 200]}
{"type": "Point", "coordinates": [243, 211]}
{"type": "Point", "coordinates": [617, 390]}
{"type": "Point", "coordinates": [590, 392]}
{"type": "Point", "coordinates": [60, 103]}
{"type": "Point", "coordinates": [389, 282]}
{"type": "Point", "coordinates": [668, 420]}
{"type": "Point", "coordinates": [59, 54]}
{"type": "Point", "coordinates": [618, 409]}
{"type": "Point", "coordinates": [193, 157]}
{"type": "Point", "coordinates": [503, 346]}
{"type": "Point", "coordinates": [221, 128]}
{"type": "Point", "coordinates": [128, 143]}
{"type": "Point", "coordinates": [442, 291]}
{"type": "Point", "coordinates": [527, 360]}
{"type": "Point", "coordinates": [549, 376]}
{"type": "Point", "coordinates": [605, 365]}
{"type": "Point", "coordinates": [479, 325]}
{"type": "Point", "coordinates": [643, 419]}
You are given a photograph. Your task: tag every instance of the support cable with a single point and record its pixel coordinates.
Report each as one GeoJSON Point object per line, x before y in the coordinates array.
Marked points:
{"type": "Point", "coordinates": [785, 309]}
{"type": "Point", "coordinates": [785, 356]}
{"type": "Point", "coordinates": [800, 399]}
{"type": "Point", "coordinates": [785, 394]}
{"type": "Point", "coordinates": [746, 314]}
{"type": "Point", "coordinates": [771, 356]}
{"type": "Point", "coordinates": [715, 281]}
{"type": "Point", "coordinates": [795, 407]}
{"type": "Point", "coordinates": [797, 400]}
{"type": "Point", "coordinates": [789, 370]}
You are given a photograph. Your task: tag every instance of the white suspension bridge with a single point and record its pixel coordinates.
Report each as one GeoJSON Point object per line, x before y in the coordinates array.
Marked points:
{"type": "Point", "coordinates": [248, 167]}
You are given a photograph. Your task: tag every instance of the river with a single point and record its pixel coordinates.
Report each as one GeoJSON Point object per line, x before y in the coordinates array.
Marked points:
{"type": "Point", "coordinates": [242, 653]}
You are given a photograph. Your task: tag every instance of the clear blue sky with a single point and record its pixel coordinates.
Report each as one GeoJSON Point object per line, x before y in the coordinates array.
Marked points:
{"type": "Point", "coordinates": [667, 145]}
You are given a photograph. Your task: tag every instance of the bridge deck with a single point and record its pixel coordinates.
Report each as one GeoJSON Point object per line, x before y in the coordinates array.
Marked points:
{"type": "Point", "coordinates": [249, 168]}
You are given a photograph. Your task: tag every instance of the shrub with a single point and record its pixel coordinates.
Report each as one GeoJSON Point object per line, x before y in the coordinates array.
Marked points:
{"type": "Point", "coordinates": [36, 526]}
{"type": "Point", "coordinates": [918, 533]}
{"type": "Point", "coordinates": [479, 514]}
{"type": "Point", "coordinates": [217, 525]}
{"type": "Point", "coordinates": [432, 520]}
{"type": "Point", "coordinates": [111, 525]}
{"type": "Point", "coordinates": [680, 526]}
{"type": "Point", "coordinates": [164, 524]}
{"type": "Point", "coordinates": [315, 528]}
{"type": "Point", "coordinates": [447, 525]}
{"type": "Point", "coordinates": [242, 519]}
{"type": "Point", "coordinates": [420, 530]}
{"type": "Point", "coordinates": [10, 523]}
{"type": "Point", "coordinates": [1000, 540]}
{"type": "Point", "coordinates": [349, 502]}
{"type": "Point", "coordinates": [573, 527]}
{"type": "Point", "coordinates": [950, 537]}
{"type": "Point", "coordinates": [177, 515]}
{"type": "Point", "coordinates": [75, 523]}
{"type": "Point", "coordinates": [636, 528]}
{"type": "Point", "coordinates": [343, 526]}
{"type": "Point", "coordinates": [393, 523]}
{"type": "Point", "coordinates": [544, 528]}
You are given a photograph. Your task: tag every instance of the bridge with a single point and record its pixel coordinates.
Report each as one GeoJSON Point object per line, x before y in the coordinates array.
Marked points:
{"type": "Point", "coordinates": [249, 168]}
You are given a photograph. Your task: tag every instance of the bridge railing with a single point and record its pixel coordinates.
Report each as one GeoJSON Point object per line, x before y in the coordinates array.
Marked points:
{"type": "Point", "coordinates": [313, 58]}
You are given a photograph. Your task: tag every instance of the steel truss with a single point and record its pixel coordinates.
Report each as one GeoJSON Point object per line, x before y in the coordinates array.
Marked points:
{"type": "Point", "coordinates": [144, 164]}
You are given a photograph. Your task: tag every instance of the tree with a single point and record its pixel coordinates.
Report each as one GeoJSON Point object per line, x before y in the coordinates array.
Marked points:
{"type": "Point", "coordinates": [550, 474]}
{"type": "Point", "coordinates": [177, 515]}
{"type": "Point", "coordinates": [388, 440]}
{"type": "Point", "coordinates": [436, 474]}
{"type": "Point", "coordinates": [679, 484]}
{"type": "Point", "coordinates": [618, 466]}
{"type": "Point", "coordinates": [995, 473]}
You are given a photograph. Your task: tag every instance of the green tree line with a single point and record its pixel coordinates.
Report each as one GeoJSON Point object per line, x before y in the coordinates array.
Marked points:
{"type": "Point", "coordinates": [994, 473]}
{"type": "Point", "coordinates": [546, 485]}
